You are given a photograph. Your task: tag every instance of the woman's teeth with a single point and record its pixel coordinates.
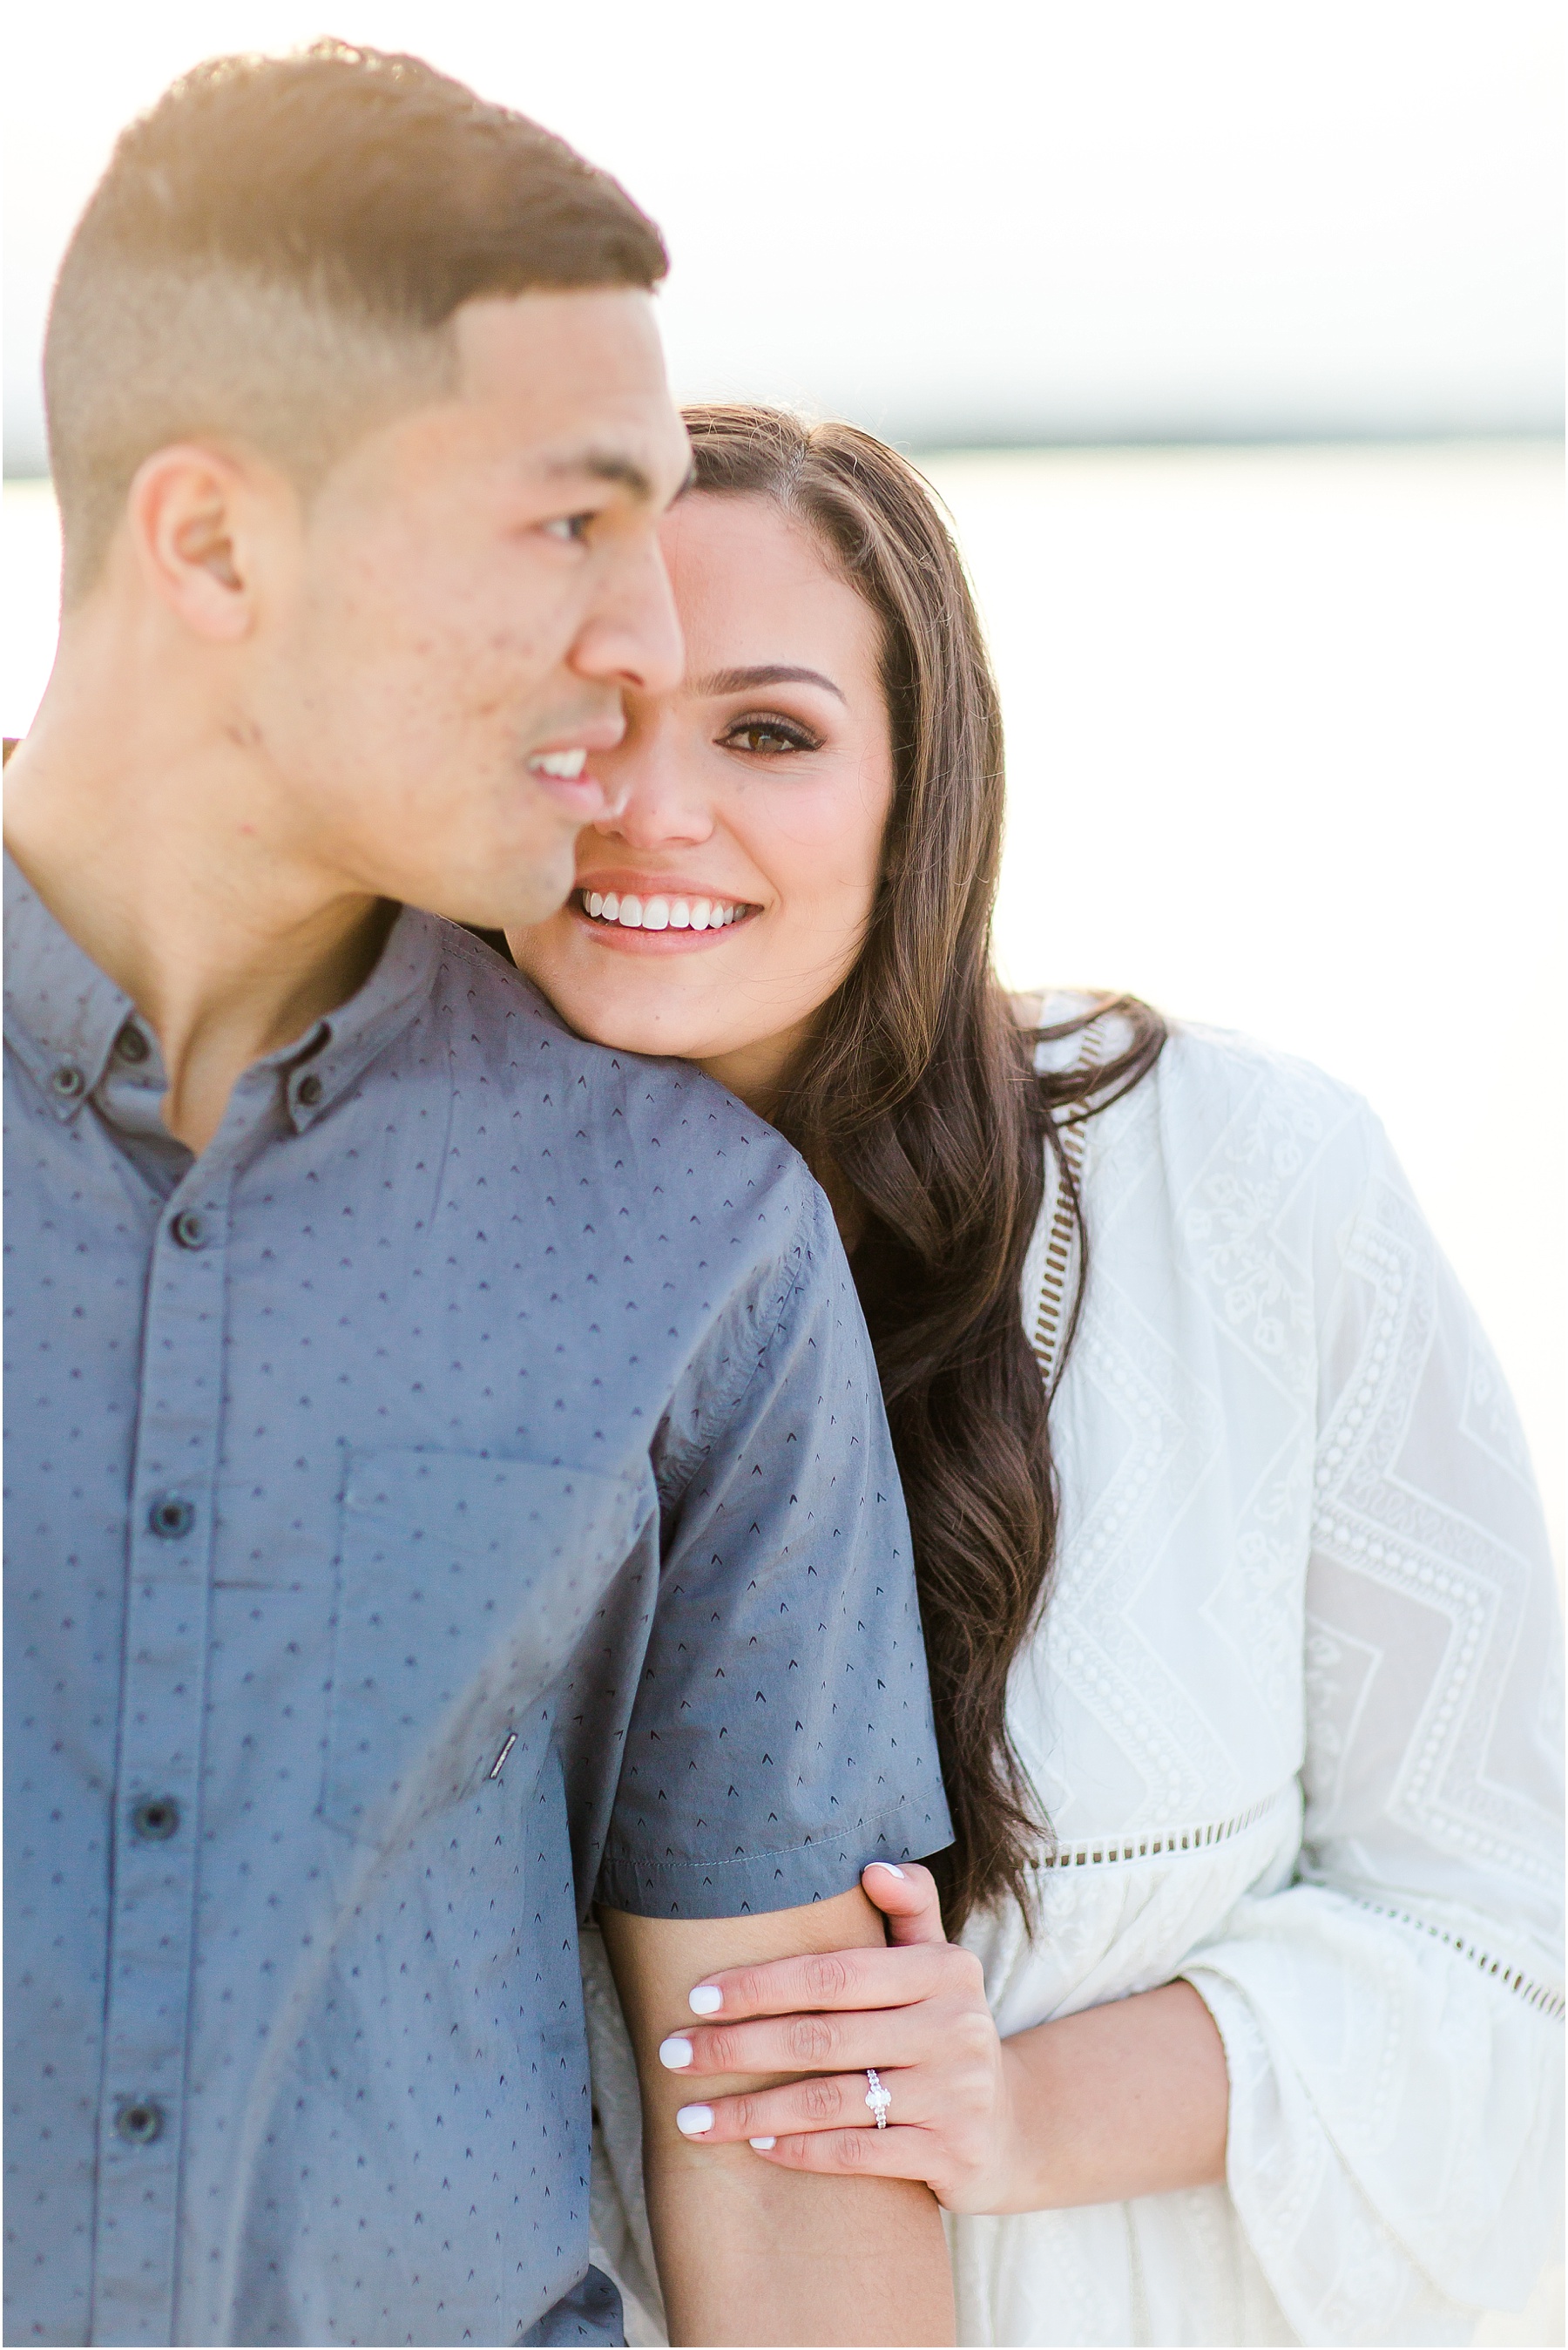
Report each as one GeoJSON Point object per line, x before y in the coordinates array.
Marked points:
{"type": "Point", "coordinates": [634, 913]}
{"type": "Point", "coordinates": [567, 764]}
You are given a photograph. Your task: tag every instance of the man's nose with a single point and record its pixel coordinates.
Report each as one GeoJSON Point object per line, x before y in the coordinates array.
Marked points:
{"type": "Point", "coordinates": [632, 639]}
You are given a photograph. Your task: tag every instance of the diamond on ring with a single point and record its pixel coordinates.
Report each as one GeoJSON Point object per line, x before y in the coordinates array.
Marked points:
{"type": "Point", "coordinates": [878, 2098]}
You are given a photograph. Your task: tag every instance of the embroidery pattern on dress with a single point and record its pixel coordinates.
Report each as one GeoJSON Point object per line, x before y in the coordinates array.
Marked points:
{"type": "Point", "coordinates": [1126, 1376]}
{"type": "Point", "coordinates": [1058, 1250]}
{"type": "Point", "coordinates": [1514, 1979]}
{"type": "Point", "coordinates": [1370, 1519]}
{"type": "Point", "coordinates": [1048, 1318]}
{"type": "Point", "coordinates": [1101, 1852]}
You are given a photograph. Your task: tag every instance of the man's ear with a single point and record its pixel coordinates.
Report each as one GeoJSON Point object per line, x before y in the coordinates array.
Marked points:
{"type": "Point", "coordinates": [198, 519]}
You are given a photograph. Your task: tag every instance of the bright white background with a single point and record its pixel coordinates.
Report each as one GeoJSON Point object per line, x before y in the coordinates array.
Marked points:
{"type": "Point", "coordinates": [1284, 744]}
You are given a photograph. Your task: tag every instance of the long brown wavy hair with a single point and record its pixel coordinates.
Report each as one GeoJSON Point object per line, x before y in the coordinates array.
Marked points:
{"type": "Point", "coordinates": [917, 1101]}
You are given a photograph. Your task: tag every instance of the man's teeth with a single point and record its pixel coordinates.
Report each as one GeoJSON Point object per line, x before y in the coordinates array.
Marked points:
{"type": "Point", "coordinates": [634, 913]}
{"type": "Point", "coordinates": [565, 764]}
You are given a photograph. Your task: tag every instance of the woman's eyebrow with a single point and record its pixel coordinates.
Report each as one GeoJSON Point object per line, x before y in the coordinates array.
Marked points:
{"type": "Point", "coordinates": [742, 681]}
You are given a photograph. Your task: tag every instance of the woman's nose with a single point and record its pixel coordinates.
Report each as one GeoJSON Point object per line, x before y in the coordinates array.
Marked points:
{"type": "Point", "coordinates": [652, 799]}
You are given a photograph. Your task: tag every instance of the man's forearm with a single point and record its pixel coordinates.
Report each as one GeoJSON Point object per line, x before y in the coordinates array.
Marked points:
{"type": "Point", "coordinates": [748, 2252]}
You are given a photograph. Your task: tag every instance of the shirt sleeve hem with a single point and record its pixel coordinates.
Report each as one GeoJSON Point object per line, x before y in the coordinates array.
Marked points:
{"type": "Point", "coordinates": [759, 1881]}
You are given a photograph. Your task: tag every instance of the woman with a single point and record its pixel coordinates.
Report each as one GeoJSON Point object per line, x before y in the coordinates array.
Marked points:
{"type": "Point", "coordinates": [1240, 1623]}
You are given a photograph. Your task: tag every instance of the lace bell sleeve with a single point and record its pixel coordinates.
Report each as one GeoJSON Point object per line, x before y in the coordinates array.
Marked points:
{"type": "Point", "coordinates": [1392, 2018]}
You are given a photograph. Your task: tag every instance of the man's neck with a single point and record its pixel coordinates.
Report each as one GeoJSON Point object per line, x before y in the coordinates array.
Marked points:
{"type": "Point", "coordinates": [159, 858]}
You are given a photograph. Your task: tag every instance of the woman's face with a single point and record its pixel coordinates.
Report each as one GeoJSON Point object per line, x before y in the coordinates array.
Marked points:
{"type": "Point", "coordinates": [723, 905]}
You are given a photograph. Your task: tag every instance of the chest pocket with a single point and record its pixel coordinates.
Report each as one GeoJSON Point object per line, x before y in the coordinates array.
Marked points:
{"type": "Point", "coordinates": [464, 1586]}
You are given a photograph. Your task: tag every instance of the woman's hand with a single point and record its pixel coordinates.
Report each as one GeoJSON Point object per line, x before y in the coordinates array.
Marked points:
{"type": "Point", "coordinates": [916, 2012]}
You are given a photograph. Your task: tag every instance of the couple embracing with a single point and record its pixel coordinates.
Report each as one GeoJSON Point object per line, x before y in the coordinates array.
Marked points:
{"type": "Point", "coordinates": [1006, 1690]}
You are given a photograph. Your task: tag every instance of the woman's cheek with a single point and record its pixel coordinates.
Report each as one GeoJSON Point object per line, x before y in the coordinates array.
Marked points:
{"type": "Point", "coordinates": [823, 861]}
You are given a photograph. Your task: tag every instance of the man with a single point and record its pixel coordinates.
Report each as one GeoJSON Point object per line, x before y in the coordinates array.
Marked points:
{"type": "Point", "coordinates": [447, 1482]}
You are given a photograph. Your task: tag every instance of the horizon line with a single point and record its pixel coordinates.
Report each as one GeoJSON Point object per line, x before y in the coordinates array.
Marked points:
{"type": "Point", "coordinates": [1002, 442]}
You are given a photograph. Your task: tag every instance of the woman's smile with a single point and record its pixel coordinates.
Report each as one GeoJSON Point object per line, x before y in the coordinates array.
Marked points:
{"type": "Point", "coordinates": [635, 913]}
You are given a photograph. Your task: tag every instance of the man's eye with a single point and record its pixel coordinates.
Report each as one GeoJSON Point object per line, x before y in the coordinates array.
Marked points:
{"type": "Point", "coordinates": [768, 738]}
{"type": "Point", "coordinates": [570, 529]}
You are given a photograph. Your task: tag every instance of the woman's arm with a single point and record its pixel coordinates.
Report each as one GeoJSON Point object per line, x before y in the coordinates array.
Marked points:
{"type": "Point", "coordinates": [1122, 2100]}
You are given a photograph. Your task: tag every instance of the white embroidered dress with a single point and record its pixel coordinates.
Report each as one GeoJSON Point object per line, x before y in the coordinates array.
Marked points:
{"type": "Point", "coordinates": [1294, 1710]}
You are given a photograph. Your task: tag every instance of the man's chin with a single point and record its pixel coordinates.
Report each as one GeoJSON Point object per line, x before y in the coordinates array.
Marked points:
{"type": "Point", "coordinates": [510, 898]}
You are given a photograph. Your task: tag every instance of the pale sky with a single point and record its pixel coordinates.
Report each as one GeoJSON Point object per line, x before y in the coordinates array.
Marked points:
{"type": "Point", "coordinates": [1019, 219]}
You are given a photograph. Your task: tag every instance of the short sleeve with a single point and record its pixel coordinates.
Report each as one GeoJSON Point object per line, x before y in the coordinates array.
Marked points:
{"type": "Point", "coordinates": [782, 1736]}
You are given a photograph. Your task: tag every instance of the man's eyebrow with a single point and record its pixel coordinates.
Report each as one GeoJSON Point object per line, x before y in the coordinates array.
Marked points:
{"type": "Point", "coordinates": [741, 680]}
{"type": "Point", "coordinates": [604, 465]}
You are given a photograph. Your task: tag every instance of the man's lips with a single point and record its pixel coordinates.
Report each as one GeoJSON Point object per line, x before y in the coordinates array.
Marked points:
{"type": "Point", "coordinates": [561, 768]}
{"type": "Point", "coordinates": [580, 794]}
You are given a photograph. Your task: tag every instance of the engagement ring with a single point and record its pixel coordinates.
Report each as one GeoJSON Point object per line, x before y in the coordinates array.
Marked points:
{"type": "Point", "coordinates": [878, 2098]}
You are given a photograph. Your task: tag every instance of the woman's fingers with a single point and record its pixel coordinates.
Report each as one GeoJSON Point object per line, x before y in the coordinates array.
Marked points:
{"type": "Point", "coordinates": [891, 2153]}
{"type": "Point", "coordinates": [799, 2127]}
{"type": "Point", "coordinates": [833, 2100]}
{"type": "Point", "coordinates": [907, 1897]}
{"type": "Point", "coordinates": [838, 1979]}
{"type": "Point", "coordinates": [806, 2044]}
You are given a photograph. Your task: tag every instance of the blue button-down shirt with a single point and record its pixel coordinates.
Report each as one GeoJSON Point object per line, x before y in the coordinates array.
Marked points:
{"type": "Point", "coordinates": [459, 1493]}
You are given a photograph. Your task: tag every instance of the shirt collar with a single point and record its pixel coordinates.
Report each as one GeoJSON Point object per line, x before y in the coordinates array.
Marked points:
{"type": "Point", "coordinates": [63, 1013]}
{"type": "Point", "coordinates": [321, 1067]}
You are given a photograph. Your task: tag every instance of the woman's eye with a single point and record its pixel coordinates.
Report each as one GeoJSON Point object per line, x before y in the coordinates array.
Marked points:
{"type": "Point", "coordinates": [570, 529]}
{"type": "Point", "coordinates": [768, 738]}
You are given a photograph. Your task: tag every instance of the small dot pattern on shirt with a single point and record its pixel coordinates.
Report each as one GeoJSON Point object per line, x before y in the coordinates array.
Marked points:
{"type": "Point", "coordinates": [461, 1493]}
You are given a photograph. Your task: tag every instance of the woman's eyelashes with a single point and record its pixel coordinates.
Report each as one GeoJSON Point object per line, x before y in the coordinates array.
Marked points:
{"type": "Point", "coordinates": [768, 734]}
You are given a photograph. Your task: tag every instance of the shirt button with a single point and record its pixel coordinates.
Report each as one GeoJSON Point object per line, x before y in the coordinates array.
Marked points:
{"type": "Point", "coordinates": [190, 1228]}
{"type": "Point", "coordinates": [130, 1045]}
{"type": "Point", "coordinates": [170, 1516]}
{"type": "Point", "coordinates": [69, 1081]}
{"type": "Point", "coordinates": [310, 1091]}
{"type": "Point", "coordinates": [139, 2120]}
{"type": "Point", "coordinates": [155, 1819]}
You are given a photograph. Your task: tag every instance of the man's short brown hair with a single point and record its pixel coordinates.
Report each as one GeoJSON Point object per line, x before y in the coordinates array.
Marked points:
{"type": "Point", "coordinates": [275, 251]}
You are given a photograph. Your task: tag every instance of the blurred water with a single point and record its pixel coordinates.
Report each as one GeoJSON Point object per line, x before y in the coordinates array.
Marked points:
{"type": "Point", "coordinates": [1285, 750]}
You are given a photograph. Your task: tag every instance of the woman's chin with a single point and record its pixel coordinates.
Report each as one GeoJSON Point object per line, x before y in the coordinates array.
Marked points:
{"type": "Point", "coordinates": [623, 1028]}
{"type": "Point", "coordinates": [641, 1037]}
{"type": "Point", "coordinates": [634, 1015]}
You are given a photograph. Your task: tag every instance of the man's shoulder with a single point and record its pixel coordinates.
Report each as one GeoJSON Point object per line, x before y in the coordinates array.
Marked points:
{"type": "Point", "coordinates": [660, 1132]}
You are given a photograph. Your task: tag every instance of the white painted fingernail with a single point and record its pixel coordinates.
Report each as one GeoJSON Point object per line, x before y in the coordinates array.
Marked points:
{"type": "Point", "coordinates": [762, 2145]}
{"type": "Point", "coordinates": [889, 1867]}
{"type": "Point", "coordinates": [693, 2120]}
{"type": "Point", "coordinates": [706, 2000]}
{"type": "Point", "coordinates": [674, 2053]}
